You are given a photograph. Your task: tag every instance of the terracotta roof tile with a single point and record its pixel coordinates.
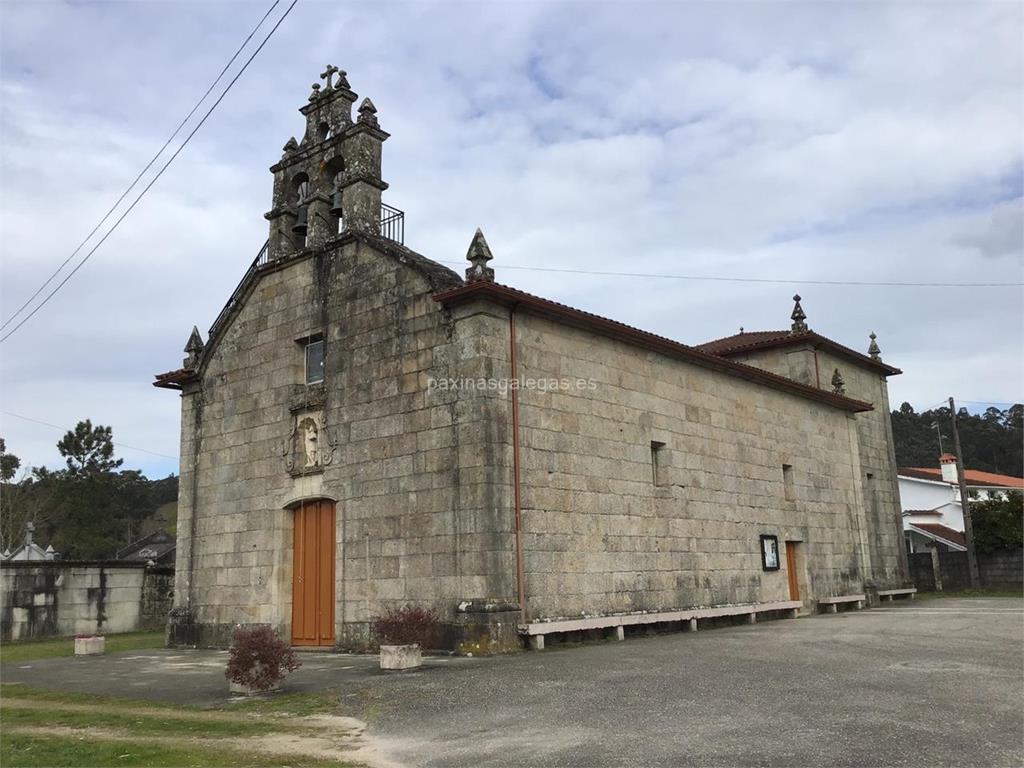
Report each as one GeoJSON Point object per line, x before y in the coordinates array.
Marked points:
{"type": "Point", "coordinates": [943, 532]}
{"type": "Point", "coordinates": [742, 339]}
{"type": "Point", "coordinates": [749, 341]}
{"type": "Point", "coordinates": [508, 296]}
{"type": "Point", "coordinates": [974, 477]}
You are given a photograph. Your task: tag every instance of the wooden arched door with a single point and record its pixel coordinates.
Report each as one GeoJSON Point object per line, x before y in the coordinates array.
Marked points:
{"type": "Point", "coordinates": [313, 574]}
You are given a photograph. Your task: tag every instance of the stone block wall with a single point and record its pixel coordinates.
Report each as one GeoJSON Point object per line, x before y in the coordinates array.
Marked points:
{"type": "Point", "coordinates": [879, 482]}
{"type": "Point", "coordinates": [1002, 570]}
{"type": "Point", "coordinates": [922, 571]}
{"type": "Point", "coordinates": [62, 598]}
{"type": "Point", "coordinates": [419, 517]}
{"type": "Point", "coordinates": [878, 467]}
{"type": "Point", "coordinates": [600, 536]}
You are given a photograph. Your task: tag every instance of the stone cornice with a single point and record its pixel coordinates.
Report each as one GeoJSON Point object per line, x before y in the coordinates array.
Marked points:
{"type": "Point", "coordinates": [305, 153]}
{"type": "Point", "coordinates": [326, 97]}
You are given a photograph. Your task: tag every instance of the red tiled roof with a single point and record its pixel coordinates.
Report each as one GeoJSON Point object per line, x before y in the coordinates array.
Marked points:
{"type": "Point", "coordinates": [741, 339]}
{"type": "Point", "coordinates": [943, 532]}
{"type": "Point", "coordinates": [174, 379]}
{"type": "Point", "coordinates": [974, 477]}
{"type": "Point", "coordinates": [748, 341]}
{"type": "Point", "coordinates": [513, 297]}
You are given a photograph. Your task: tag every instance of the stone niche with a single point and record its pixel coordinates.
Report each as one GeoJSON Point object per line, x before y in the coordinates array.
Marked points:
{"type": "Point", "coordinates": [310, 445]}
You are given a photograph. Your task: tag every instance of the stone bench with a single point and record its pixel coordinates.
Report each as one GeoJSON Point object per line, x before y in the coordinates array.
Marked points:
{"type": "Point", "coordinates": [831, 604]}
{"type": "Point", "coordinates": [535, 631]}
{"type": "Point", "coordinates": [891, 594]}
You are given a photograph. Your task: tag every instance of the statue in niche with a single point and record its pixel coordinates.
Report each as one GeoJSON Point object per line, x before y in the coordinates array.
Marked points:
{"type": "Point", "coordinates": [310, 445]}
{"type": "Point", "coordinates": [310, 434]}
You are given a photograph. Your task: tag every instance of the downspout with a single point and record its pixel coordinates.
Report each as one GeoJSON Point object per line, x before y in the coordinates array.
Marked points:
{"type": "Point", "coordinates": [517, 497]}
{"type": "Point", "coordinates": [197, 426]}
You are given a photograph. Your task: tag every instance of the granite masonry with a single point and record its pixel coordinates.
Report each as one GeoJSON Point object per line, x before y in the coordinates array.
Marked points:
{"type": "Point", "coordinates": [363, 428]}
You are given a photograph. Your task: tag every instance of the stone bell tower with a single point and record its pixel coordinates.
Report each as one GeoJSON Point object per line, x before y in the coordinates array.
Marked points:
{"type": "Point", "coordinates": [330, 181]}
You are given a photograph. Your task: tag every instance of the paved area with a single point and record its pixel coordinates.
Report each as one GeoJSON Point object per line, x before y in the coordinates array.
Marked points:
{"type": "Point", "coordinates": [929, 683]}
{"type": "Point", "coordinates": [194, 677]}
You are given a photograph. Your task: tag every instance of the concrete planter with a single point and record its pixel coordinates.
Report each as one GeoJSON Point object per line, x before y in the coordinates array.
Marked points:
{"type": "Point", "coordinates": [90, 646]}
{"type": "Point", "coordinates": [398, 657]}
{"type": "Point", "coordinates": [245, 690]}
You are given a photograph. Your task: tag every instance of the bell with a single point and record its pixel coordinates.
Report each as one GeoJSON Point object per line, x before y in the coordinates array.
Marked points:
{"type": "Point", "coordinates": [301, 220]}
{"type": "Point", "coordinates": [336, 203]}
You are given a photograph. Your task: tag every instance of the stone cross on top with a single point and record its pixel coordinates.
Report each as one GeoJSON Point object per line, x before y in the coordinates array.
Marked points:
{"type": "Point", "coordinates": [329, 82]}
{"type": "Point", "coordinates": [328, 75]}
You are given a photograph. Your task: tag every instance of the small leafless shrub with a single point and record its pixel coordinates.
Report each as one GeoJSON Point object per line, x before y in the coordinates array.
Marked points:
{"type": "Point", "coordinates": [408, 625]}
{"type": "Point", "coordinates": [259, 659]}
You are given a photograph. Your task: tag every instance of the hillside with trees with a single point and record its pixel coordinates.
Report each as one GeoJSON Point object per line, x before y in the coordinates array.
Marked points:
{"type": "Point", "coordinates": [992, 441]}
{"type": "Point", "coordinates": [88, 509]}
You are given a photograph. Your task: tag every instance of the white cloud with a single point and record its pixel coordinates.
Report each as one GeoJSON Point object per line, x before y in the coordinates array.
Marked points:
{"type": "Point", "coordinates": [837, 141]}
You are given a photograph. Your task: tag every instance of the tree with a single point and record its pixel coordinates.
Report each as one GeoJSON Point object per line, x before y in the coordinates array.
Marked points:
{"type": "Point", "coordinates": [991, 442]}
{"type": "Point", "coordinates": [96, 509]}
{"type": "Point", "coordinates": [89, 450]}
{"type": "Point", "coordinates": [21, 502]}
{"type": "Point", "coordinates": [89, 509]}
{"type": "Point", "coordinates": [9, 463]}
{"type": "Point", "coordinates": [998, 523]}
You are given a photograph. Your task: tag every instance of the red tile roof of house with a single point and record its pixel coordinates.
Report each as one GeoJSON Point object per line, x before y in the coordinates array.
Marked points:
{"type": "Point", "coordinates": [975, 478]}
{"type": "Point", "coordinates": [748, 341]}
{"type": "Point", "coordinates": [943, 532]}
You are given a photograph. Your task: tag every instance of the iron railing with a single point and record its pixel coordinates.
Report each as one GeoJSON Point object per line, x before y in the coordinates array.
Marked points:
{"type": "Point", "coordinates": [261, 260]}
{"type": "Point", "coordinates": [392, 223]}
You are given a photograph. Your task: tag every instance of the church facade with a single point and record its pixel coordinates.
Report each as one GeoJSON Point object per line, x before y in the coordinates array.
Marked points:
{"type": "Point", "coordinates": [364, 428]}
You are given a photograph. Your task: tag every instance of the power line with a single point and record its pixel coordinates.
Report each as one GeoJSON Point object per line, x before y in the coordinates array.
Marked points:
{"type": "Point", "coordinates": [154, 179]}
{"type": "Point", "coordinates": [63, 429]}
{"type": "Point", "coordinates": [149, 165]}
{"type": "Point", "coordinates": [776, 281]}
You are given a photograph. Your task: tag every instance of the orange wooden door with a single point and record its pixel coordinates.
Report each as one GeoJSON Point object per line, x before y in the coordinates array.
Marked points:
{"type": "Point", "coordinates": [313, 574]}
{"type": "Point", "coordinates": [794, 580]}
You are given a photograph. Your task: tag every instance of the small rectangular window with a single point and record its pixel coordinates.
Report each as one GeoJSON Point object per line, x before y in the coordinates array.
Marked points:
{"type": "Point", "coordinates": [659, 468]}
{"type": "Point", "coordinates": [787, 482]}
{"type": "Point", "coordinates": [315, 362]}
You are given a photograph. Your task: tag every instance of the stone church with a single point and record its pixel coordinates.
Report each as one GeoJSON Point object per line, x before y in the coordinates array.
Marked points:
{"type": "Point", "coordinates": [364, 428]}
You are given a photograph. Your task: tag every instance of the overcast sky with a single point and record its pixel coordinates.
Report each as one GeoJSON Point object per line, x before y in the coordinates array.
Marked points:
{"type": "Point", "coordinates": [830, 141]}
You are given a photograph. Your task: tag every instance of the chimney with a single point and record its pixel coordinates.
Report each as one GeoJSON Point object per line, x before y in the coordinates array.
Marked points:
{"type": "Point", "coordinates": [948, 463]}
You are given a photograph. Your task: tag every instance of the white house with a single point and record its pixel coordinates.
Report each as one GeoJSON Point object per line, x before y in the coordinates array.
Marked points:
{"type": "Point", "coordinates": [930, 498]}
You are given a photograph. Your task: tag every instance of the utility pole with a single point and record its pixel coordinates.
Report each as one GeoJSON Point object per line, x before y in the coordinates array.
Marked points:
{"type": "Point", "coordinates": [972, 560]}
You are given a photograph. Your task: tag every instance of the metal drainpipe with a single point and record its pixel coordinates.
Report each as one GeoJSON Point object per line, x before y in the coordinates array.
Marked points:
{"type": "Point", "coordinates": [520, 579]}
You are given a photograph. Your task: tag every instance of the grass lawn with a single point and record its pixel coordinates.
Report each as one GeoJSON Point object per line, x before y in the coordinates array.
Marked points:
{"type": "Point", "coordinates": [49, 728]}
{"type": "Point", "coordinates": [30, 650]}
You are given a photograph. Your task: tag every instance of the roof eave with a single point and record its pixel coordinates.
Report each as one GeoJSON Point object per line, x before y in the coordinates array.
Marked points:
{"type": "Point", "coordinates": [503, 294]}
{"type": "Point", "coordinates": [936, 537]}
{"type": "Point", "coordinates": [812, 337]}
